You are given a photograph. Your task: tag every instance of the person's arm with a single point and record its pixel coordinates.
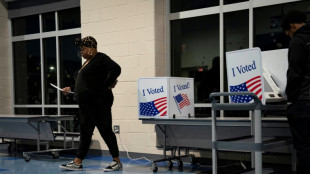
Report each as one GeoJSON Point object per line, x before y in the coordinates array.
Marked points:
{"type": "Point", "coordinates": [68, 89]}
{"type": "Point", "coordinates": [114, 70]}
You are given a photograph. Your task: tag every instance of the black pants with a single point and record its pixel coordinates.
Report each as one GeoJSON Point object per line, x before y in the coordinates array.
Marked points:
{"type": "Point", "coordinates": [101, 118]}
{"type": "Point", "coordinates": [298, 115]}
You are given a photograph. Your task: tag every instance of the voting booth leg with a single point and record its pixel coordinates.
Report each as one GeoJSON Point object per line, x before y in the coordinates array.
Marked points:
{"type": "Point", "coordinates": [294, 164]}
{"type": "Point", "coordinates": [258, 141]}
{"type": "Point", "coordinates": [64, 133]}
{"type": "Point", "coordinates": [252, 134]}
{"type": "Point", "coordinates": [165, 143]}
{"type": "Point", "coordinates": [38, 140]}
{"type": "Point", "coordinates": [214, 139]}
{"type": "Point", "coordinates": [178, 157]}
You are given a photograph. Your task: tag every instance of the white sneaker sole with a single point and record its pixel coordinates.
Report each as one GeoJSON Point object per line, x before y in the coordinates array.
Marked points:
{"type": "Point", "coordinates": [68, 168]}
{"type": "Point", "coordinates": [111, 170]}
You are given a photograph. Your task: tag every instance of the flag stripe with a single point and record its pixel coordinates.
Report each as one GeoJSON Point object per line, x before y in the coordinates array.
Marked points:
{"type": "Point", "coordinates": [257, 92]}
{"type": "Point", "coordinates": [163, 114]}
{"type": "Point", "coordinates": [160, 99]}
{"type": "Point", "coordinates": [254, 87]}
{"type": "Point", "coordinates": [158, 106]}
{"type": "Point", "coordinates": [254, 78]}
{"type": "Point", "coordinates": [160, 110]}
{"type": "Point", "coordinates": [255, 82]}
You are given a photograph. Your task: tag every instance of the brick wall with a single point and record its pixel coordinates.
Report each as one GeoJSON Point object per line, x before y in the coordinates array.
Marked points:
{"type": "Point", "coordinates": [5, 76]}
{"type": "Point", "coordinates": [132, 33]}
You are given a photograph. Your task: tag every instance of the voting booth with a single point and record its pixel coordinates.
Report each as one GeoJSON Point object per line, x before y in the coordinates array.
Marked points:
{"type": "Point", "coordinates": [244, 73]}
{"type": "Point", "coordinates": [275, 65]}
{"type": "Point", "coordinates": [165, 97]}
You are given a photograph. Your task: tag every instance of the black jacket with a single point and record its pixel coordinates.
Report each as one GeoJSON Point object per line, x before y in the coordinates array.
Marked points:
{"type": "Point", "coordinates": [93, 81]}
{"type": "Point", "coordinates": [298, 73]}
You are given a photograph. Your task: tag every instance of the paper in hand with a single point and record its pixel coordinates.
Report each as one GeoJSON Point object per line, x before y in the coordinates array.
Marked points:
{"type": "Point", "coordinates": [59, 88]}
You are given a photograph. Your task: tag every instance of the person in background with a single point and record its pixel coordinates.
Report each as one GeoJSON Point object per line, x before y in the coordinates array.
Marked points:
{"type": "Point", "coordinates": [211, 80]}
{"type": "Point", "coordinates": [93, 91]}
{"type": "Point", "coordinates": [298, 86]}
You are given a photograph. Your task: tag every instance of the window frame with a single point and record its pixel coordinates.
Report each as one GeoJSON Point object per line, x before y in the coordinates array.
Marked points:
{"type": "Point", "coordinates": [221, 9]}
{"type": "Point", "coordinates": [41, 35]}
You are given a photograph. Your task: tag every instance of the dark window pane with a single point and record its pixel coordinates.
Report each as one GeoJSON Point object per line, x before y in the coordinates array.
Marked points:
{"type": "Point", "coordinates": [28, 111]}
{"type": "Point", "coordinates": [70, 62]}
{"type": "Point", "coordinates": [70, 18]}
{"type": "Point", "coordinates": [236, 34]}
{"type": "Point", "coordinates": [27, 72]}
{"type": "Point", "coordinates": [184, 5]}
{"type": "Point", "coordinates": [49, 22]}
{"type": "Point", "coordinates": [195, 51]}
{"type": "Point", "coordinates": [236, 30]}
{"type": "Point", "coordinates": [72, 126]}
{"type": "Point", "coordinates": [268, 34]}
{"type": "Point", "coordinates": [50, 111]}
{"type": "Point", "coordinates": [233, 1]}
{"type": "Point", "coordinates": [203, 112]}
{"type": "Point", "coordinates": [50, 70]}
{"type": "Point", "coordinates": [25, 25]}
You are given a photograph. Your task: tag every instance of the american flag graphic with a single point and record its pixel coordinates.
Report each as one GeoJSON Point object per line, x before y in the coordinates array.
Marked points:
{"type": "Point", "coordinates": [154, 108]}
{"type": "Point", "coordinates": [182, 100]}
{"type": "Point", "coordinates": [253, 85]}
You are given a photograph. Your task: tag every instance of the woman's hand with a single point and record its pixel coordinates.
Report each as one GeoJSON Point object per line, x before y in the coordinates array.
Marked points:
{"type": "Point", "coordinates": [113, 85]}
{"type": "Point", "coordinates": [66, 90]}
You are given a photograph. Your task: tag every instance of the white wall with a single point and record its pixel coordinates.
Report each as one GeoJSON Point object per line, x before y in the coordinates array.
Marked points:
{"type": "Point", "coordinates": [5, 76]}
{"type": "Point", "coordinates": [132, 33]}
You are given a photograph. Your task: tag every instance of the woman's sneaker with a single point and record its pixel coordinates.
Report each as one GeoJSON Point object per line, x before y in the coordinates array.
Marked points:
{"type": "Point", "coordinates": [114, 166]}
{"type": "Point", "coordinates": [71, 166]}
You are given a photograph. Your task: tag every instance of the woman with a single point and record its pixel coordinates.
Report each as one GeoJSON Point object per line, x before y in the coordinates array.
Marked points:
{"type": "Point", "coordinates": [93, 90]}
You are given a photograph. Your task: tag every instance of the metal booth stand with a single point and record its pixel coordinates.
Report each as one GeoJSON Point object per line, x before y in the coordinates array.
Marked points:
{"type": "Point", "coordinates": [173, 156]}
{"type": "Point", "coordinates": [253, 143]}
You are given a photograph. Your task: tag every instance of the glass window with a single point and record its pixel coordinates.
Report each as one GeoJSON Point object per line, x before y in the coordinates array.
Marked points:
{"type": "Point", "coordinates": [203, 112]}
{"type": "Point", "coordinates": [48, 21]}
{"type": "Point", "coordinates": [25, 25]}
{"type": "Point", "coordinates": [195, 51]}
{"type": "Point", "coordinates": [72, 126]}
{"type": "Point", "coordinates": [233, 1]}
{"type": "Point", "coordinates": [28, 111]}
{"type": "Point", "coordinates": [70, 62]}
{"type": "Point", "coordinates": [27, 62]}
{"type": "Point", "coordinates": [236, 30]}
{"type": "Point", "coordinates": [184, 5]}
{"type": "Point", "coordinates": [236, 34]}
{"type": "Point", "coordinates": [50, 111]}
{"type": "Point", "coordinates": [50, 70]}
{"type": "Point", "coordinates": [27, 72]}
{"type": "Point", "coordinates": [69, 19]}
{"type": "Point", "coordinates": [268, 34]}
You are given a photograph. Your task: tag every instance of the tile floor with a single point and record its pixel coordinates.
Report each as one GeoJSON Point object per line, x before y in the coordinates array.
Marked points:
{"type": "Point", "coordinates": [11, 163]}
